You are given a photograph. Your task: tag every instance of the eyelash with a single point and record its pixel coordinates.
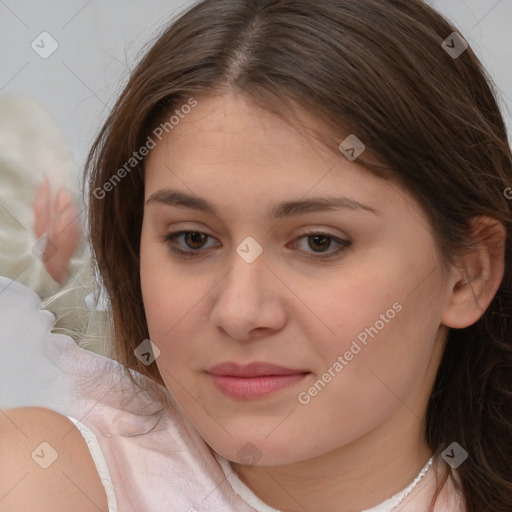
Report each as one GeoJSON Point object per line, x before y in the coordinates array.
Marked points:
{"type": "Point", "coordinates": [171, 237]}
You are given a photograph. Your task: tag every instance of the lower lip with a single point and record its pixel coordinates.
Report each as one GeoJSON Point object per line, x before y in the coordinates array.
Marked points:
{"type": "Point", "coordinates": [255, 387]}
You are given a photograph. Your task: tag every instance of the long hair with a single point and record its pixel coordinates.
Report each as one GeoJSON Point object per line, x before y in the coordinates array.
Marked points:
{"type": "Point", "coordinates": [381, 69]}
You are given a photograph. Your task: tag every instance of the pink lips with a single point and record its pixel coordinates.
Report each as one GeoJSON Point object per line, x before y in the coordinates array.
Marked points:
{"type": "Point", "coordinates": [254, 380]}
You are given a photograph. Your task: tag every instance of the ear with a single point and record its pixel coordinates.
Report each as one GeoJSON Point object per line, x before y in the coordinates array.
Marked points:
{"type": "Point", "coordinates": [477, 275]}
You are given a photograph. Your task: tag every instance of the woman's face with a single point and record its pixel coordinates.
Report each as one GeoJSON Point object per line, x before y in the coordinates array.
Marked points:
{"type": "Point", "coordinates": [348, 299]}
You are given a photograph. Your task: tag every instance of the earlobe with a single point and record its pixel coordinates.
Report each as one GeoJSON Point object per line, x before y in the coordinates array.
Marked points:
{"type": "Point", "coordinates": [477, 275]}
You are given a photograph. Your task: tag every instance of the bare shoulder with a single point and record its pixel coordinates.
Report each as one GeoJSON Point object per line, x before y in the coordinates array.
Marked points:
{"type": "Point", "coordinates": [46, 464]}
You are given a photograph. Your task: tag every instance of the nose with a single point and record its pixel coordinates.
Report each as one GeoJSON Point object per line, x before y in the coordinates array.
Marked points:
{"type": "Point", "coordinates": [249, 302]}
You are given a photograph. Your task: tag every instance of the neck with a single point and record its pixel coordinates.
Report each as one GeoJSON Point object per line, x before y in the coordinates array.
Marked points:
{"type": "Point", "coordinates": [354, 477]}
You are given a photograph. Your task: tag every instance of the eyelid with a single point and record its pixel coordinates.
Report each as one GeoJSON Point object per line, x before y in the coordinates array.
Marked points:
{"type": "Point", "coordinates": [319, 230]}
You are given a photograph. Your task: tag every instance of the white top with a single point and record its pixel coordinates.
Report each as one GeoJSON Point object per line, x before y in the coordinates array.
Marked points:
{"type": "Point", "coordinates": [100, 462]}
{"type": "Point", "coordinates": [148, 456]}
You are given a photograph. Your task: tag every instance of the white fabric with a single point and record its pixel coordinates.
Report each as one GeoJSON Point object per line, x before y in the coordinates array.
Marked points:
{"type": "Point", "coordinates": [100, 463]}
{"type": "Point", "coordinates": [241, 489]}
{"type": "Point", "coordinates": [32, 148]}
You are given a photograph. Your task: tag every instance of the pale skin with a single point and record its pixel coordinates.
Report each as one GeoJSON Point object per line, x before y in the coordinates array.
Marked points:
{"type": "Point", "coordinates": [292, 309]}
{"type": "Point", "coordinates": [71, 482]}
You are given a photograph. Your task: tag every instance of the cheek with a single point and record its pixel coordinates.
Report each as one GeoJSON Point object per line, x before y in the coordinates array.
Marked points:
{"type": "Point", "coordinates": [368, 371]}
{"type": "Point", "coordinates": [376, 323]}
{"type": "Point", "coordinates": [166, 307]}
{"type": "Point", "coordinates": [350, 304]}
{"type": "Point", "coordinates": [164, 287]}
{"type": "Point", "coordinates": [160, 292]}
{"type": "Point", "coordinates": [172, 304]}
{"type": "Point", "coordinates": [166, 315]}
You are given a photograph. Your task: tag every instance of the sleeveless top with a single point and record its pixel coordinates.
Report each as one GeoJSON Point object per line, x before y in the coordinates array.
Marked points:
{"type": "Point", "coordinates": [148, 455]}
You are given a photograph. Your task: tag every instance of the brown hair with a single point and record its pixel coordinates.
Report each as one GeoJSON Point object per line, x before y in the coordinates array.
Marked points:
{"type": "Point", "coordinates": [375, 68]}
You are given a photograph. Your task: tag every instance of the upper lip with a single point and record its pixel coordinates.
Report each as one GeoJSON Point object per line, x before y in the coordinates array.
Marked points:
{"type": "Point", "coordinates": [255, 369]}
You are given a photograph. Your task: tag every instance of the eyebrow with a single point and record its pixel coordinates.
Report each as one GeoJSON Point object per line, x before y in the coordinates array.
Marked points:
{"type": "Point", "coordinates": [279, 211]}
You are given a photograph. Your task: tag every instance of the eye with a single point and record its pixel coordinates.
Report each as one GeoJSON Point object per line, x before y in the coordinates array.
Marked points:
{"type": "Point", "coordinates": [195, 241]}
{"type": "Point", "coordinates": [320, 243]}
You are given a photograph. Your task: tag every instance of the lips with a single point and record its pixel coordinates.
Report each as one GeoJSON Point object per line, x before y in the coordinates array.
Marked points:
{"type": "Point", "coordinates": [255, 380]}
{"type": "Point", "coordinates": [256, 369]}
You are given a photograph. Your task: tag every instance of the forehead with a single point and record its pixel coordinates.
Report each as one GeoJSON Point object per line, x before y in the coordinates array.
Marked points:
{"type": "Point", "coordinates": [221, 121]}
{"type": "Point", "coordinates": [226, 147]}
{"type": "Point", "coordinates": [229, 131]}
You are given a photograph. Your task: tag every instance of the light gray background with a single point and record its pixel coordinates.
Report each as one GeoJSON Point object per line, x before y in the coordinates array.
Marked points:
{"type": "Point", "coordinates": [100, 41]}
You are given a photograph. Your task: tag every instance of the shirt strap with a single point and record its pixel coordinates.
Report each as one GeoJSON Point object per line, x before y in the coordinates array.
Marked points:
{"type": "Point", "coordinates": [100, 462]}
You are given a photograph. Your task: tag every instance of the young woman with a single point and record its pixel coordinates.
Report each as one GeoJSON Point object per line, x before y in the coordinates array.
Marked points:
{"type": "Point", "coordinates": [303, 206]}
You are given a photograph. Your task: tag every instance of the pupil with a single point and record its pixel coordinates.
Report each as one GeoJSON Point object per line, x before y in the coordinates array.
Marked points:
{"type": "Point", "coordinates": [320, 238]}
{"type": "Point", "coordinates": [195, 238]}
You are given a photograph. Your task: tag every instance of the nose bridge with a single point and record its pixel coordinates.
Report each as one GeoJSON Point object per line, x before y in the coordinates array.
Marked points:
{"type": "Point", "coordinates": [246, 299]}
{"type": "Point", "coordinates": [247, 274]}
{"type": "Point", "coordinates": [247, 266]}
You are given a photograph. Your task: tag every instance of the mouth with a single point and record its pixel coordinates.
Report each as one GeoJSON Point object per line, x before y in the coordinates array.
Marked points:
{"type": "Point", "coordinates": [255, 380]}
